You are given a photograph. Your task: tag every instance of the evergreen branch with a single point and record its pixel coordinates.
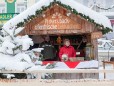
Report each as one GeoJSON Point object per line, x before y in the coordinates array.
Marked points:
{"type": "Point", "coordinates": [8, 34]}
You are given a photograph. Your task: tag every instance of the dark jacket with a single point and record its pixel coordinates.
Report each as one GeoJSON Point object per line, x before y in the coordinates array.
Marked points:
{"type": "Point", "coordinates": [49, 53]}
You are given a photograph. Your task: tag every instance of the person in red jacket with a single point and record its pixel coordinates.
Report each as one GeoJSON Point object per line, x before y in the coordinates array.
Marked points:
{"type": "Point", "coordinates": [67, 51]}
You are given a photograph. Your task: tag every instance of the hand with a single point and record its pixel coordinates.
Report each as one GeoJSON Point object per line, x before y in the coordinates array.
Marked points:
{"type": "Point", "coordinates": [65, 57]}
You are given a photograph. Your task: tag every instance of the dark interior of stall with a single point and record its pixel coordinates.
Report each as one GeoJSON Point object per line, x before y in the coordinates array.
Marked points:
{"type": "Point", "coordinates": [77, 41]}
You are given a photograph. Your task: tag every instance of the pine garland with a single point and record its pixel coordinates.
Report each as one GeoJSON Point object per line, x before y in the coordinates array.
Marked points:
{"type": "Point", "coordinates": [44, 8]}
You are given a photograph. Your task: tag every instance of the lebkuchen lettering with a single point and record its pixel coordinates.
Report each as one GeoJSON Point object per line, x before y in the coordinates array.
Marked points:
{"type": "Point", "coordinates": [57, 21]}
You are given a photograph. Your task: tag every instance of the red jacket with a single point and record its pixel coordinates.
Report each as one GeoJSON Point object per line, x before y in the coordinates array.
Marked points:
{"type": "Point", "coordinates": [67, 50]}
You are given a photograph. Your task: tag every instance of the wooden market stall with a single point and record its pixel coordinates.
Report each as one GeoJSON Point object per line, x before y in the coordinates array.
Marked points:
{"type": "Point", "coordinates": [60, 21]}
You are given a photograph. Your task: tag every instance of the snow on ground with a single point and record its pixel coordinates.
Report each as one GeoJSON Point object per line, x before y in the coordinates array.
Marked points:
{"type": "Point", "coordinates": [97, 17]}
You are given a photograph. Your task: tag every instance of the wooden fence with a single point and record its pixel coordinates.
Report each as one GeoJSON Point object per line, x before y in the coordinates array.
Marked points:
{"type": "Point", "coordinates": [58, 82]}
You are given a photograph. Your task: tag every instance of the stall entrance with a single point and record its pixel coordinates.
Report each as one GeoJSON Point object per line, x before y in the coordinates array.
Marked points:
{"type": "Point", "coordinates": [79, 42]}
{"type": "Point", "coordinates": [59, 23]}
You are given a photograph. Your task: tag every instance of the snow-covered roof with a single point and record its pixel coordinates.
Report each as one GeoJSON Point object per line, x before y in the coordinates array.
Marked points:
{"type": "Point", "coordinates": [97, 17]}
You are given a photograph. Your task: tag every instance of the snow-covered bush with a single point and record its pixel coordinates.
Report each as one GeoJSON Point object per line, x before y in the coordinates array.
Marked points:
{"type": "Point", "coordinates": [14, 54]}
{"type": "Point", "coordinates": [11, 44]}
{"type": "Point", "coordinates": [14, 46]}
{"type": "Point", "coordinates": [12, 51]}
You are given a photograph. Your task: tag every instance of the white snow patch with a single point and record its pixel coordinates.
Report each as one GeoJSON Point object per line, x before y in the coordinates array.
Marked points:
{"type": "Point", "coordinates": [18, 30]}
{"type": "Point", "coordinates": [38, 67]}
{"type": "Point", "coordinates": [107, 13]}
{"type": "Point", "coordinates": [12, 63]}
{"type": "Point", "coordinates": [61, 65]}
{"type": "Point", "coordinates": [87, 64]}
{"type": "Point", "coordinates": [25, 41]}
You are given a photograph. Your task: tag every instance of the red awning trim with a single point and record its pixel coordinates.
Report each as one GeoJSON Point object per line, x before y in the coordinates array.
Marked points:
{"type": "Point", "coordinates": [112, 22]}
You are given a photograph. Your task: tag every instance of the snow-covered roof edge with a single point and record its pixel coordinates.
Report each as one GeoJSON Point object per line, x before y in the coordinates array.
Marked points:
{"type": "Point", "coordinates": [97, 17]}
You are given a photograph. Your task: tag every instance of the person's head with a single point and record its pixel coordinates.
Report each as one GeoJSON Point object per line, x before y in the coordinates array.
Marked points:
{"type": "Point", "coordinates": [67, 42]}
{"type": "Point", "coordinates": [47, 38]}
{"type": "Point", "coordinates": [36, 53]}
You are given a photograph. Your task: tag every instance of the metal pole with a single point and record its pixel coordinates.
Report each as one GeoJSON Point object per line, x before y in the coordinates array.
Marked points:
{"type": "Point", "coordinates": [108, 52]}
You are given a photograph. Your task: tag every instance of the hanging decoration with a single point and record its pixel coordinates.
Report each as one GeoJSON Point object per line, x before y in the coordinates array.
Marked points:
{"type": "Point", "coordinates": [39, 12]}
{"type": "Point", "coordinates": [105, 8]}
{"type": "Point", "coordinates": [59, 40]}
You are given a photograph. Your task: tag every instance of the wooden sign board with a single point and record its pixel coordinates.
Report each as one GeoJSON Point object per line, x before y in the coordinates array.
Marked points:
{"type": "Point", "coordinates": [44, 32]}
{"type": "Point", "coordinates": [96, 35]}
{"type": "Point", "coordinates": [57, 21]}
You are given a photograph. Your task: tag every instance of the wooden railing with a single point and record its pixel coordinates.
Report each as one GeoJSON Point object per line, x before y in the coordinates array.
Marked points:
{"type": "Point", "coordinates": [58, 82]}
{"type": "Point", "coordinates": [68, 71]}
{"type": "Point", "coordinates": [63, 71]}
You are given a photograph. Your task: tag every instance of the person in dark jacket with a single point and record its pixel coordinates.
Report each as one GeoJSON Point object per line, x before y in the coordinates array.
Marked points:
{"type": "Point", "coordinates": [49, 52]}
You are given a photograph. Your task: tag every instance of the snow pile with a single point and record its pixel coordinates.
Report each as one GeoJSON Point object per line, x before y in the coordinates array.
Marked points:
{"type": "Point", "coordinates": [88, 64]}
{"type": "Point", "coordinates": [61, 65]}
{"type": "Point", "coordinates": [97, 17]}
{"type": "Point", "coordinates": [13, 63]}
{"type": "Point", "coordinates": [35, 68]}
{"type": "Point", "coordinates": [20, 62]}
{"type": "Point", "coordinates": [9, 76]}
{"type": "Point", "coordinates": [25, 41]}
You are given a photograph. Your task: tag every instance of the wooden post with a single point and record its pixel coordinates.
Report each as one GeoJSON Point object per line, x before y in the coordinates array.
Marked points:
{"type": "Point", "coordinates": [104, 68]}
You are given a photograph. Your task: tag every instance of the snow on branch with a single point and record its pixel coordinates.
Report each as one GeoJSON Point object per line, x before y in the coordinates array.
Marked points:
{"type": "Point", "coordinates": [12, 44]}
